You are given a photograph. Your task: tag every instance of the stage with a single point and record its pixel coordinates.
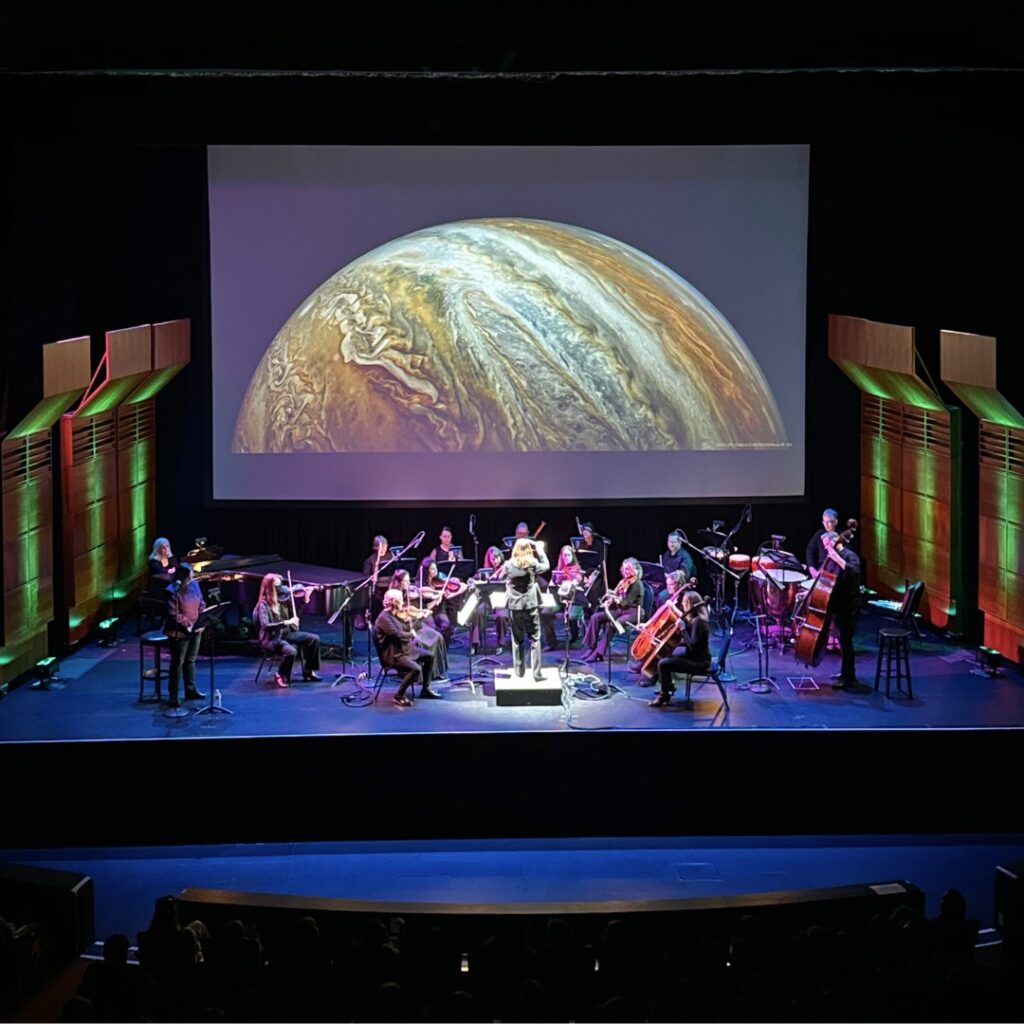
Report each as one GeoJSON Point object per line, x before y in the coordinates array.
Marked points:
{"type": "Point", "coordinates": [100, 700]}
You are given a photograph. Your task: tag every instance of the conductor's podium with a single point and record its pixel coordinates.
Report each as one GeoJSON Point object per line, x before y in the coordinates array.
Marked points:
{"type": "Point", "coordinates": [512, 692]}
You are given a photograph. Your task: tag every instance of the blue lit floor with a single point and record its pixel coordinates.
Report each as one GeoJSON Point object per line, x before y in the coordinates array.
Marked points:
{"type": "Point", "coordinates": [128, 880]}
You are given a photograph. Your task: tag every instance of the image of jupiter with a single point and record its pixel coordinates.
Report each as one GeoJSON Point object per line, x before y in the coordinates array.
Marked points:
{"type": "Point", "coordinates": [506, 335]}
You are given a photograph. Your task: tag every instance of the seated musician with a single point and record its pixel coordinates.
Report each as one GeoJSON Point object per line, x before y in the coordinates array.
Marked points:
{"type": "Point", "coordinates": [427, 637]}
{"type": "Point", "coordinates": [441, 591]}
{"type": "Point", "coordinates": [184, 603]}
{"type": "Point", "coordinates": [677, 584]}
{"type": "Point", "coordinates": [375, 561]}
{"type": "Point", "coordinates": [444, 552]}
{"type": "Point", "coordinates": [693, 655]}
{"type": "Point", "coordinates": [815, 555]}
{"type": "Point", "coordinates": [567, 571]}
{"type": "Point", "coordinates": [623, 604]}
{"type": "Point", "coordinates": [675, 558]}
{"type": "Point", "coordinates": [396, 645]}
{"type": "Point", "coordinates": [280, 633]}
{"type": "Point", "coordinates": [494, 560]}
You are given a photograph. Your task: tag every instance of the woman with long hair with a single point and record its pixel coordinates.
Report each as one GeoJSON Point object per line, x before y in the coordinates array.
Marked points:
{"type": "Point", "coordinates": [567, 571]}
{"type": "Point", "coordinates": [428, 638]}
{"type": "Point", "coordinates": [492, 569]}
{"type": "Point", "coordinates": [523, 602]}
{"type": "Point", "coordinates": [693, 656]}
{"type": "Point", "coordinates": [280, 633]}
{"type": "Point", "coordinates": [623, 604]}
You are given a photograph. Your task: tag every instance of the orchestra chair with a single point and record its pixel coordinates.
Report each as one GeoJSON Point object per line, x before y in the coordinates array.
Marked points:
{"type": "Point", "coordinates": [905, 613]}
{"type": "Point", "coordinates": [378, 682]}
{"type": "Point", "coordinates": [157, 641]}
{"type": "Point", "coordinates": [714, 674]}
{"type": "Point", "coordinates": [149, 609]}
{"type": "Point", "coordinates": [894, 643]}
{"type": "Point", "coordinates": [266, 659]}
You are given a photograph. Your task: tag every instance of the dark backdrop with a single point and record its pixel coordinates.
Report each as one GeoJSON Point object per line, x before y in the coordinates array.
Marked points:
{"type": "Point", "coordinates": [915, 210]}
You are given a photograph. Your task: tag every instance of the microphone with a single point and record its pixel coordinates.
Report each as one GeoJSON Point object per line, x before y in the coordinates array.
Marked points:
{"type": "Point", "coordinates": [472, 524]}
{"type": "Point", "coordinates": [750, 513]}
{"type": "Point", "coordinates": [579, 526]}
{"type": "Point", "coordinates": [416, 541]}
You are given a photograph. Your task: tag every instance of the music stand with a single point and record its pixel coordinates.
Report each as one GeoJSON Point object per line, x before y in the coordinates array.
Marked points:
{"type": "Point", "coordinates": [346, 630]}
{"type": "Point", "coordinates": [588, 559]}
{"type": "Point", "coordinates": [764, 683]}
{"type": "Point", "coordinates": [211, 617]}
{"type": "Point", "coordinates": [654, 573]}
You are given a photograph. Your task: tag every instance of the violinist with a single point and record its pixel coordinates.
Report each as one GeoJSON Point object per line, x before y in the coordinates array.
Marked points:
{"type": "Point", "coordinates": [280, 633]}
{"type": "Point", "coordinates": [523, 603]}
{"type": "Point", "coordinates": [844, 602]}
{"type": "Point", "coordinates": [398, 649]}
{"type": "Point", "coordinates": [623, 604]}
{"type": "Point", "coordinates": [375, 562]}
{"type": "Point", "coordinates": [440, 592]}
{"type": "Point", "coordinates": [444, 552]}
{"type": "Point", "coordinates": [567, 576]}
{"type": "Point", "coordinates": [414, 612]}
{"type": "Point", "coordinates": [693, 656]}
{"type": "Point", "coordinates": [492, 569]}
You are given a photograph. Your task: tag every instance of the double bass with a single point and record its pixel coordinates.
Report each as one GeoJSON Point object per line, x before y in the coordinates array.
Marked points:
{"type": "Point", "coordinates": [662, 626]}
{"type": "Point", "coordinates": [812, 637]}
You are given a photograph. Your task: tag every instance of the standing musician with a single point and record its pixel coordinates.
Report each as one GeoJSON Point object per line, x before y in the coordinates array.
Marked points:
{"type": "Point", "coordinates": [396, 643]}
{"type": "Point", "coordinates": [444, 552]}
{"type": "Point", "coordinates": [845, 604]}
{"type": "Point", "coordinates": [693, 656]}
{"type": "Point", "coordinates": [815, 555]}
{"type": "Point", "coordinates": [184, 603]}
{"type": "Point", "coordinates": [281, 635]}
{"type": "Point", "coordinates": [376, 560]}
{"type": "Point", "coordinates": [567, 571]}
{"type": "Point", "coordinates": [428, 638]}
{"type": "Point", "coordinates": [675, 558]}
{"type": "Point", "coordinates": [494, 560]}
{"type": "Point", "coordinates": [523, 604]}
{"type": "Point", "coordinates": [623, 603]}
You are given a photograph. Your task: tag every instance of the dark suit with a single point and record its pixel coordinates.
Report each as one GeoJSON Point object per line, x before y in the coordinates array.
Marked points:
{"type": "Point", "coordinates": [396, 646]}
{"type": "Point", "coordinates": [845, 604]}
{"type": "Point", "coordinates": [523, 607]}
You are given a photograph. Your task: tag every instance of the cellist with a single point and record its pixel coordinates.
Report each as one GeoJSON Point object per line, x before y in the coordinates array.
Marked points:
{"type": "Point", "coordinates": [844, 603]}
{"type": "Point", "coordinates": [693, 656]}
{"type": "Point", "coordinates": [676, 583]}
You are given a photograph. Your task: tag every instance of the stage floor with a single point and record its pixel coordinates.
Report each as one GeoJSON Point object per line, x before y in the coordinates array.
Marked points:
{"type": "Point", "coordinates": [100, 700]}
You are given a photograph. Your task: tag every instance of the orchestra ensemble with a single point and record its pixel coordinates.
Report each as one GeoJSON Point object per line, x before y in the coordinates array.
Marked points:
{"type": "Point", "coordinates": [517, 591]}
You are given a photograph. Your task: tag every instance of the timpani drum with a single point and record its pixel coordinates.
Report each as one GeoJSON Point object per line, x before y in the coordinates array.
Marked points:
{"type": "Point", "coordinates": [774, 591]}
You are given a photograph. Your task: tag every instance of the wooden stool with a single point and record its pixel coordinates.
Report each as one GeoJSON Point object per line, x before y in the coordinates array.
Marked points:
{"type": "Point", "coordinates": [157, 640]}
{"type": "Point", "coordinates": [894, 642]}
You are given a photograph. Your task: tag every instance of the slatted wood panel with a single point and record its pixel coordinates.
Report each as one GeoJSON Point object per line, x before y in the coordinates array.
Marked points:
{"type": "Point", "coordinates": [27, 552]}
{"type": "Point", "coordinates": [90, 528]}
{"type": "Point", "coordinates": [906, 501]}
{"type": "Point", "coordinates": [136, 493]}
{"type": "Point", "coordinates": [1001, 536]}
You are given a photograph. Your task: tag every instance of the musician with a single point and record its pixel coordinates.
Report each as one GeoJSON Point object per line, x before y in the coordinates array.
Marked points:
{"type": "Point", "coordinates": [396, 643]}
{"type": "Point", "coordinates": [443, 590]}
{"type": "Point", "coordinates": [592, 541]}
{"type": "Point", "coordinates": [428, 638]}
{"type": "Point", "coordinates": [494, 560]}
{"type": "Point", "coordinates": [444, 551]}
{"type": "Point", "coordinates": [845, 603]}
{"type": "Point", "coordinates": [693, 656]}
{"type": "Point", "coordinates": [623, 604]}
{"type": "Point", "coordinates": [280, 633]}
{"type": "Point", "coordinates": [184, 603]}
{"type": "Point", "coordinates": [567, 571]}
{"type": "Point", "coordinates": [523, 602]}
{"type": "Point", "coordinates": [815, 555]}
{"type": "Point", "coordinates": [162, 564]}
{"type": "Point", "coordinates": [375, 561]}
{"type": "Point", "coordinates": [676, 585]}
{"type": "Point", "coordinates": [676, 558]}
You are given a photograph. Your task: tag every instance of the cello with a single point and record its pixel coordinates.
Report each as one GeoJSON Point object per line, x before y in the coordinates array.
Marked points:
{"type": "Point", "coordinates": [661, 627]}
{"type": "Point", "coordinates": [812, 637]}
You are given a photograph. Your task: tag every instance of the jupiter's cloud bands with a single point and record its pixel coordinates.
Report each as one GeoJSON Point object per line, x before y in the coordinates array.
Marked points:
{"type": "Point", "coordinates": [506, 335]}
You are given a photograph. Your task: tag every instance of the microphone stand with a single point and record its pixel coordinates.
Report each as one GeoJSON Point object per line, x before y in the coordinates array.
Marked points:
{"type": "Point", "coordinates": [371, 582]}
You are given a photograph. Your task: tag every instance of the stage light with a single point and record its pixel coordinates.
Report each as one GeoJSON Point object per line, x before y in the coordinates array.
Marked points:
{"type": "Point", "coordinates": [47, 677]}
{"type": "Point", "coordinates": [108, 632]}
{"type": "Point", "coordinates": [989, 663]}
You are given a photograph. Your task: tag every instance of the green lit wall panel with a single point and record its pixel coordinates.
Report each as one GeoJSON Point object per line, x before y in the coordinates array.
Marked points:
{"type": "Point", "coordinates": [880, 458]}
{"type": "Point", "coordinates": [28, 557]}
{"type": "Point", "coordinates": [880, 501]}
{"type": "Point", "coordinates": [926, 519]}
{"type": "Point", "coordinates": [927, 474]}
{"type": "Point", "coordinates": [27, 506]}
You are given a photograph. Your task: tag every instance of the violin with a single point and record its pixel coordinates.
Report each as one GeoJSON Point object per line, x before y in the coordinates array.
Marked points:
{"type": "Point", "coordinates": [812, 637]}
{"type": "Point", "coordinates": [616, 595]}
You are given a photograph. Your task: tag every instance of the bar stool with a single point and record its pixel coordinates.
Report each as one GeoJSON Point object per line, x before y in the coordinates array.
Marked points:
{"type": "Point", "coordinates": [894, 642]}
{"type": "Point", "coordinates": [156, 639]}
